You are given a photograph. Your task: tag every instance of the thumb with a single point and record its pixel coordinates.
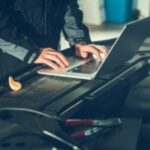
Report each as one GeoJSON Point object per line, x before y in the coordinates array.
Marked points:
{"type": "Point", "coordinates": [84, 54]}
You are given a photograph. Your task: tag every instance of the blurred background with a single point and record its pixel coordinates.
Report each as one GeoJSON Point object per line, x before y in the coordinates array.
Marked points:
{"type": "Point", "coordinates": [106, 18]}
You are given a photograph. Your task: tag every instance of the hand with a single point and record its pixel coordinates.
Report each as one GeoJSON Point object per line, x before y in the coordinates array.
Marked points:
{"type": "Point", "coordinates": [83, 51]}
{"type": "Point", "coordinates": [52, 58]}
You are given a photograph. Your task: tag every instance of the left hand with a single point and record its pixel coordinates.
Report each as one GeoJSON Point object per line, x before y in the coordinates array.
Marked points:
{"type": "Point", "coordinates": [83, 51]}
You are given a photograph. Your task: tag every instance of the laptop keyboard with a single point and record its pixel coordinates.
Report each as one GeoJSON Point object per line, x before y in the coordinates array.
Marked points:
{"type": "Point", "coordinates": [88, 67]}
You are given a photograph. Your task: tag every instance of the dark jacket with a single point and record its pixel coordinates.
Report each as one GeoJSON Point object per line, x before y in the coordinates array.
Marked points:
{"type": "Point", "coordinates": [33, 24]}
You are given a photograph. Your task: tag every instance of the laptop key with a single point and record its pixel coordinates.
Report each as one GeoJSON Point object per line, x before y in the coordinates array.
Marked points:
{"type": "Point", "coordinates": [88, 67]}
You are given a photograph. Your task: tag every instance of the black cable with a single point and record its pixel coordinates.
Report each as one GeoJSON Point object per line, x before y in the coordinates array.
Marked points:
{"type": "Point", "coordinates": [45, 132]}
{"type": "Point", "coordinates": [39, 113]}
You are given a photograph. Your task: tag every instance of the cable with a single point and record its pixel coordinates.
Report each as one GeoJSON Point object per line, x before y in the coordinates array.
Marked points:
{"type": "Point", "coordinates": [49, 134]}
{"type": "Point", "coordinates": [31, 111]}
{"type": "Point", "coordinates": [71, 145]}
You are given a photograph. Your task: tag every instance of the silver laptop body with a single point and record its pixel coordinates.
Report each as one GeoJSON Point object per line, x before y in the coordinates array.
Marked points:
{"type": "Point", "coordinates": [124, 48]}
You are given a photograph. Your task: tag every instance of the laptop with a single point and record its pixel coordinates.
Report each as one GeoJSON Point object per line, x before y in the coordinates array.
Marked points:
{"type": "Point", "coordinates": [127, 44]}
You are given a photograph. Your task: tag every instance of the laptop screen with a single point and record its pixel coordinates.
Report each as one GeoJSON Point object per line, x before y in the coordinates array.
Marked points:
{"type": "Point", "coordinates": [127, 44]}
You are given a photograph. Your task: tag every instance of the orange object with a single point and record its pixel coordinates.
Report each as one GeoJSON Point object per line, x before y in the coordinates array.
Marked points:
{"type": "Point", "coordinates": [14, 85]}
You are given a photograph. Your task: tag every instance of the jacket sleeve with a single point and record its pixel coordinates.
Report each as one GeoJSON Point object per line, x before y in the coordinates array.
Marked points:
{"type": "Point", "coordinates": [11, 39]}
{"type": "Point", "coordinates": [74, 30]}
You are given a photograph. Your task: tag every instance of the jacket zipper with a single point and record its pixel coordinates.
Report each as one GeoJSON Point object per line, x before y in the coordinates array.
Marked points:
{"type": "Point", "coordinates": [45, 17]}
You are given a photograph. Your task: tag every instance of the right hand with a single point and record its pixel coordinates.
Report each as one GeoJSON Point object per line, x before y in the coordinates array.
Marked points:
{"type": "Point", "coordinates": [52, 58]}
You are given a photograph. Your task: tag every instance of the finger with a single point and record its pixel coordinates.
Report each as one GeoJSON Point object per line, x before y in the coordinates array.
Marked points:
{"type": "Point", "coordinates": [56, 59]}
{"type": "Point", "coordinates": [102, 49]}
{"type": "Point", "coordinates": [90, 49]}
{"type": "Point", "coordinates": [84, 50]}
{"type": "Point", "coordinates": [81, 54]}
{"type": "Point", "coordinates": [84, 54]}
{"type": "Point", "coordinates": [50, 64]}
{"type": "Point", "coordinates": [54, 52]}
{"type": "Point", "coordinates": [46, 62]}
{"type": "Point", "coordinates": [61, 57]}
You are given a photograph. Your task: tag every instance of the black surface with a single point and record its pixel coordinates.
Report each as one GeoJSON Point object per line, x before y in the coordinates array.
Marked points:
{"type": "Point", "coordinates": [42, 90]}
{"type": "Point", "coordinates": [138, 104]}
{"type": "Point", "coordinates": [66, 97]}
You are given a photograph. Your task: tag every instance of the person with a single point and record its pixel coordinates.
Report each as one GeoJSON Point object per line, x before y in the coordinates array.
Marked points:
{"type": "Point", "coordinates": [30, 31]}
